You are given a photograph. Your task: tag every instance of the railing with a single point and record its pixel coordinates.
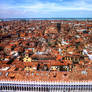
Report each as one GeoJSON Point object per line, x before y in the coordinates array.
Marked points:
{"type": "Point", "coordinates": [45, 86]}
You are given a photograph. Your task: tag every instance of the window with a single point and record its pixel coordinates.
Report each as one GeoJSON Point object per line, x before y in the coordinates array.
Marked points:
{"type": "Point", "coordinates": [63, 58]}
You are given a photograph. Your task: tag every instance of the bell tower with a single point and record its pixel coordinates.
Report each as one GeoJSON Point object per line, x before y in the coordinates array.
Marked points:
{"type": "Point", "coordinates": [58, 27]}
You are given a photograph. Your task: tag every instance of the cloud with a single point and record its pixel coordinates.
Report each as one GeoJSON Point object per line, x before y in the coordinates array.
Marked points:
{"type": "Point", "coordinates": [38, 8]}
{"type": "Point", "coordinates": [53, 7]}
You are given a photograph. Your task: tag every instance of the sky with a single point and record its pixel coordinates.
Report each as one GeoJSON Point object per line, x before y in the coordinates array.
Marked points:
{"type": "Point", "coordinates": [45, 8]}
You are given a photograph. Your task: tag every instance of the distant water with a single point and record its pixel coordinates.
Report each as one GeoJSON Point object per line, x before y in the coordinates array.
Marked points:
{"type": "Point", "coordinates": [9, 19]}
